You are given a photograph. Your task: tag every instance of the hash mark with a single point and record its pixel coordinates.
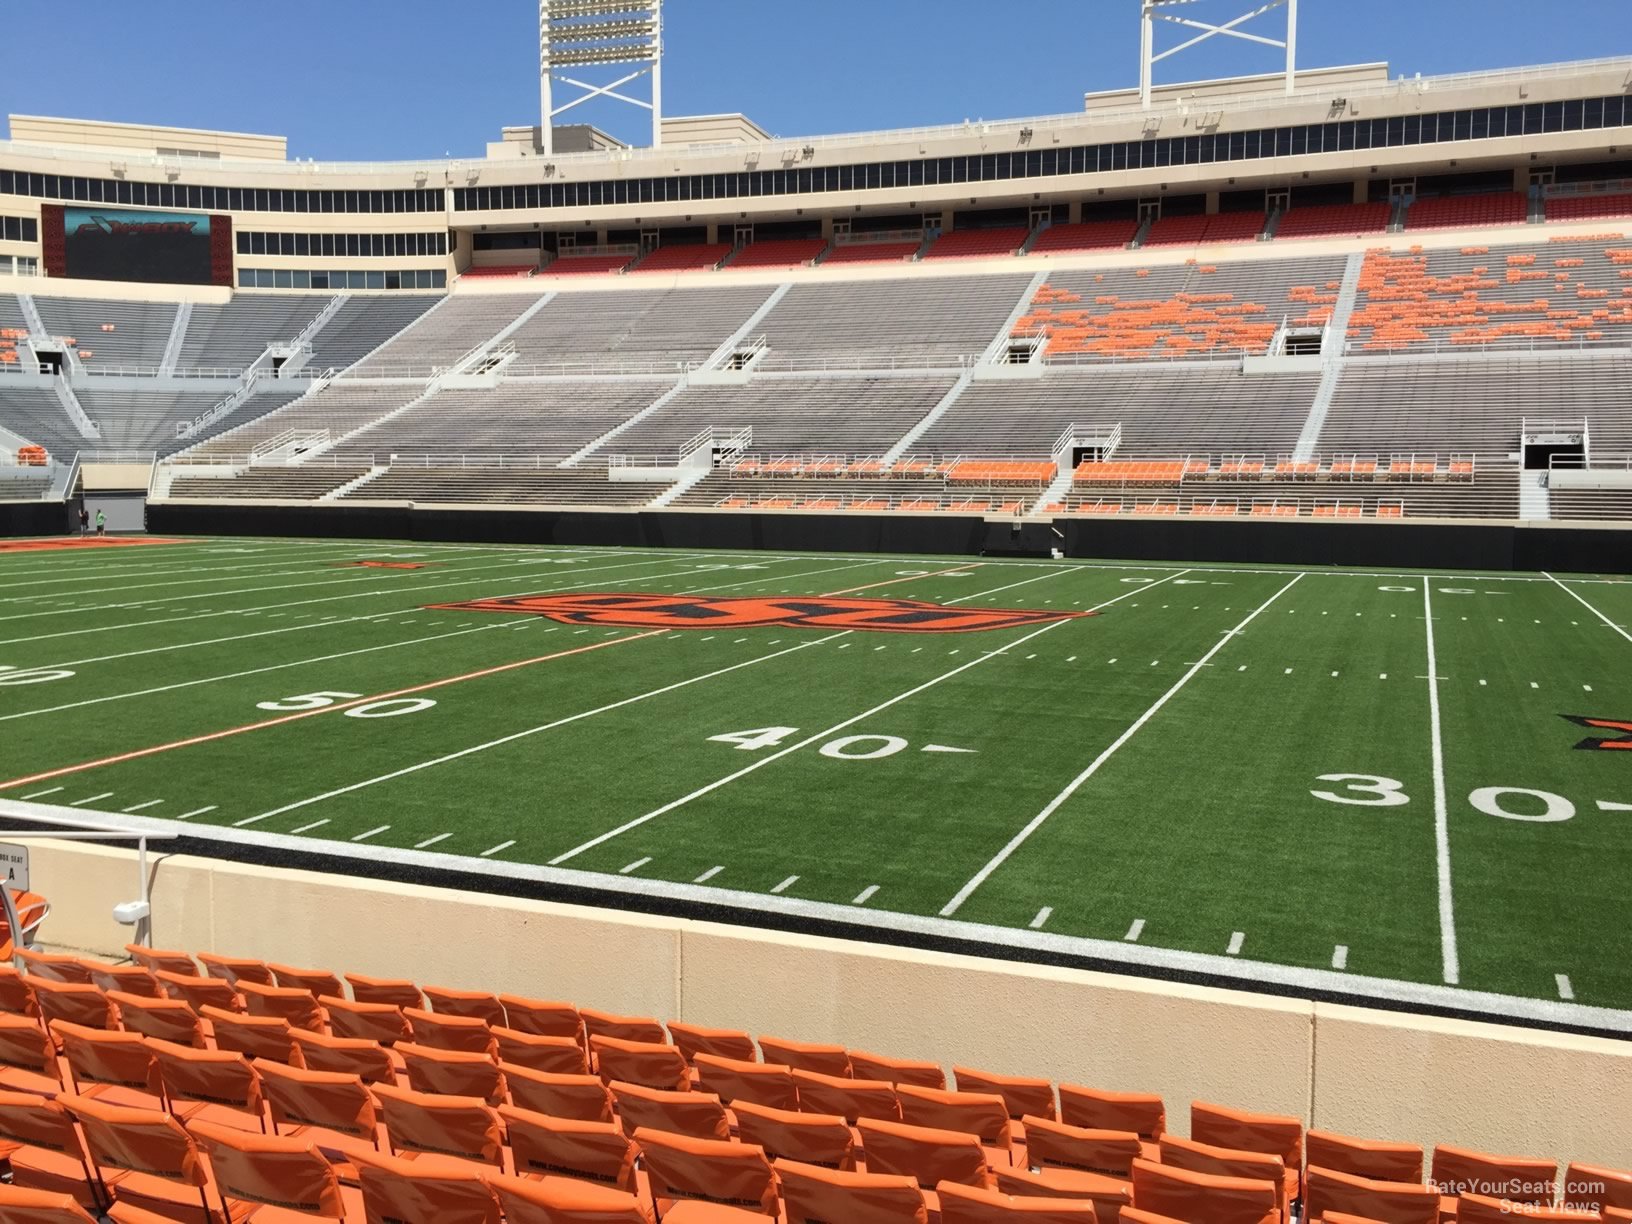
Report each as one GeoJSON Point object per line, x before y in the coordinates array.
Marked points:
{"type": "Point", "coordinates": [92, 799]}
{"type": "Point", "coordinates": [1134, 931]}
{"type": "Point", "coordinates": [141, 806]}
{"type": "Point", "coordinates": [708, 875]}
{"type": "Point", "coordinates": [504, 845]}
{"type": "Point", "coordinates": [307, 828]}
{"type": "Point", "coordinates": [1236, 940]}
{"type": "Point", "coordinates": [786, 884]}
{"type": "Point", "coordinates": [370, 833]}
{"type": "Point", "coordinates": [1042, 917]}
{"type": "Point", "coordinates": [1340, 956]}
{"type": "Point", "coordinates": [1565, 990]}
{"type": "Point", "coordinates": [53, 790]}
{"type": "Point", "coordinates": [865, 895]}
{"type": "Point", "coordinates": [431, 841]}
{"type": "Point", "coordinates": [197, 812]}
{"type": "Point", "coordinates": [634, 866]}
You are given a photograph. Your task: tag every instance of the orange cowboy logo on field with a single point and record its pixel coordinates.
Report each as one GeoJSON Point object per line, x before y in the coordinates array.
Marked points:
{"type": "Point", "coordinates": [642, 611]}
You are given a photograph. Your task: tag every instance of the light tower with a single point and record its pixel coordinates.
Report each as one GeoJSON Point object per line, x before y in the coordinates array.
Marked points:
{"type": "Point", "coordinates": [1150, 13]}
{"type": "Point", "coordinates": [597, 35]}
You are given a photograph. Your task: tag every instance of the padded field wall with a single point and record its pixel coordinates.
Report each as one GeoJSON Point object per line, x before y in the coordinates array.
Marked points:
{"type": "Point", "coordinates": [1359, 1071]}
{"type": "Point", "coordinates": [33, 518]}
{"type": "Point", "coordinates": [1438, 545]}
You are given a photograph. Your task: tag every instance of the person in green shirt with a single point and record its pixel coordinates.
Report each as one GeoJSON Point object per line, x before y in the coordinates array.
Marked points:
{"type": "Point", "coordinates": [101, 523]}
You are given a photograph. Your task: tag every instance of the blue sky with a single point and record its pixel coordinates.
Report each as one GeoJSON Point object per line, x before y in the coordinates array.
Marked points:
{"type": "Point", "coordinates": [390, 79]}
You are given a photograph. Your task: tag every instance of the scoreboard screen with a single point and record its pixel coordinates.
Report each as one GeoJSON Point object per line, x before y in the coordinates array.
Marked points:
{"type": "Point", "coordinates": [156, 247]}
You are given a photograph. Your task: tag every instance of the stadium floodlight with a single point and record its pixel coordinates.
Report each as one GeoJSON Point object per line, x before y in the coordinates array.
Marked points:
{"type": "Point", "coordinates": [1150, 13]}
{"type": "Point", "coordinates": [597, 34]}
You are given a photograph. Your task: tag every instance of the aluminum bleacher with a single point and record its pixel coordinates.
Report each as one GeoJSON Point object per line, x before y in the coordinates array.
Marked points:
{"type": "Point", "coordinates": [506, 485]}
{"type": "Point", "coordinates": [147, 420]}
{"type": "Point", "coordinates": [667, 327]}
{"type": "Point", "coordinates": [304, 482]}
{"type": "Point", "coordinates": [448, 332]}
{"type": "Point", "coordinates": [884, 323]}
{"type": "Point", "coordinates": [111, 333]}
{"type": "Point", "coordinates": [339, 408]}
{"type": "Point", "coordinates": [362, 325]}
{"type": "Point", "coordinates": [37, 416]}
{"type": "Point", "coordinates": [233, 335]}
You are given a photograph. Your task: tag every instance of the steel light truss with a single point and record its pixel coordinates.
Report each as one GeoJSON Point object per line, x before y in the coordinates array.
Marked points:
{"type": "Point", "coordinates": [595, 34]}
{"type": "Point", "coordinates": [1150, 12]}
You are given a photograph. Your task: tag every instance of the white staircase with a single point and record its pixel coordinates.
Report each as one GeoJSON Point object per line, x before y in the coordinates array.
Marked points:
{"type": "Point", "coordinates": [379, 469]}
{"type": "Point", "coordinates": [694, 477]}
{"type": "Point", "coordinates": [1056, 491]}
{"type": "Point", "coordinates": [1535, 503]}
{"type": "Point", "coordinates": [578, 456]}
{"type": "Point", "coordinates": [1331, 372]}
{"type": "Point", "coordinates": [934, 414]}
{"type": "Point", "coordinates": [178, 336]}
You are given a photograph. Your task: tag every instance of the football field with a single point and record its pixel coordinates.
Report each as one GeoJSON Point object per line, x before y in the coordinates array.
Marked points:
{"type": "Point", "coordinates": [1406, 787]}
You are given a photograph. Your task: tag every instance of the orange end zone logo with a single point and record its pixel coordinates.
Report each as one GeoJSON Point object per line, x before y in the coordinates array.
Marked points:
{"type": "Point", "coordinates": [380, 564]}
{"type": "Point", "coordinates": [634, 611]}
{"type": "Point", "coordinates": [1609, 743]}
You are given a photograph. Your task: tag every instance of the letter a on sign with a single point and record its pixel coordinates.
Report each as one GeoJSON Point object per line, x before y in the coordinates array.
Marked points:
{"type": "Point", "coordinates": [14, 862]}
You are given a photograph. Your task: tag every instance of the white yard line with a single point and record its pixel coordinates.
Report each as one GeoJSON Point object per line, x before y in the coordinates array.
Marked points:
{"type": "Point", "coordinates": [785, 885]}
{"type": "Point", "coordinates": [1134, 931]}
{"type": "Point", "coordinates": [1450, 968]}
{"type": "Point", "coordinates": [865, 895]}
{"type": "Point", "coordinates": [431, 841]}
{"type": "Point", "coordinates": [1042, 918]}
{"type": "Point", "coordinates": [196, 812]}
{"type": "Point", "coordinates": [1589, 607]}
{"type": "Point", "coordinates": [142, 807]}
{"type": "Point", "coordinates": [371, 833]}
{"type": "Point", "coordinates": [504, 845]}
{"type": "Point", "coordinates": [307, 828]}
{"type": "Point", "coordinates": [635, 866]}
{"type": "Point", "coordinates": [1340, 956]}
{"type": "Point", "coordinates": [708, 875]}
{"type": "Point", "coordinates": [1236, 940]}
{"type": "Point", "coordinates": [1059, 800]}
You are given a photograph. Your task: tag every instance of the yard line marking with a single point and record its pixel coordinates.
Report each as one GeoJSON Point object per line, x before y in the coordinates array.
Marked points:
{"type": "Point", "coordinates": [708, 875]}
{"type": "Point", "coordinates": [316, 824]}
{"type": "Point", "coordinates": [1236, 940]}
{"type": "Point", "coordinates": [431, 841]}
{"type": "Point", "coordinates": [966, 568]}
{"type": "Point", "coordinates": [196, 812]}
{"type": "Point", "coordinates": [635, 866]}
{"type": "Point", "coordinates": [370, 833]}
{"type": "Point", "coordinates": [1340, 956]}
{"type": "Point", "coordinates": [786, 884]}
{"type": "Point", "coordinates": [710, 787]}
{"type": "Point", "coordinates": [550, 726]}
{"type": "Point", "coordinates": [1042, 917]}
{"type": "Point", "coordinates": [1573, 595]}
{"type": "Point", "coordinates": [1134, 931]}
{"type": "Point", "coordinates": [92, 799]}
{"type": "Point", "coordinates": [1483, 684]}
{"type": "Point", "coordinates": [504, 845]}
{"type": "Point", "coordinates": [142, 806]}
{"type": "Point", "coordinates": [1382, 676]}
{"type": "Point", "coordinates": [1242, 668]}
{"type": "Point", "coordinates": [1072, 659]}
{"type": "Point", "coordinates": [1534, 685]}
{"type": "Point", "coordinates": [1604, 805]}
{"type": "Point", "coordinates": [1037, 821]}
{"type": "Point", "coordinates": [1587, 688]}
{"type": "Point", "coordinates": [1565, 990]}
{"type": "Point", "coordinates": [1449, 965]}
{"type": "Point", "coordinates": [37, 794]}
{"type": "Point", "coordinates": [865, 895]}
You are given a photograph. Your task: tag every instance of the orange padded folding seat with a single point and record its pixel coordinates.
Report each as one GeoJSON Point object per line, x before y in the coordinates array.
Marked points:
{"type": "Point", "coordinates": [1110, 1195]}
{"type": "Point", "coordinates": [924, 1154]}
{"type": "Point", "coordinates": [1594, 1187]}
{"type": "Point", "coordinates": [214, 1085]}
{"type": "Point", "coordinates": [437, 1192]}
{"type": "Point", "coordinates": [1230, 1162]}
{"type": "Point", "coordinates": [1326, 1192]}
{"type": "Point", "coordinates": [581, 1097]}
{"type": "Point", "coordinates": [52, 1157]}
{"type": "Point", "coordinates": [74, 1002]}
{"type": "Point", "coordinates": [896, 1069]}
{"type": "Point", "coordinates": [640, 1062]}
{"type": "Point", "coordinates": [156, 959]}
{"type": "Point", "coordinates": [541, 1018]}
{"type": "Point", "coordinates": [809, 1138]}
{"type": "Point", "coordinates": [467, 1004]}
{"type": "Point", "coordinates": [1202, 1198]}
{"type": "Point", "coordinates": [235, 968]}
{"type": "Point", "coordinates": [452, 1072]}
{"type": "Point", "coordinates": [54, 967]}
{"type": "Point", "coordinates": [315, 982]}
{"type": "Point", "coordinates": [199, 992]}
{"type": "Point", "coordinates": [806, 1055]}
{"type": "Point", "coordinates": [450, 1032]}
{"type": "Point", "coordinates": [131, 979]}
{"type": "Point", "coordinates": [967, 1205]}
{"type": "Point", "coordinates": [734, 1080]}
{"type": "Point", "coordinates": [381, 1022]}
{"type": "Point", "coordinates": [368, 1060]}
{"type": "Point", "coordinates": [561, 1055]}
{"type": "Point", "coordinates": [466, 1127]}
{"type": "Point", "coordinates": [814, 1195]}
{"type": "Point", "coordinates": [1132, 1215]}
{"type": "Point", "coordinates": [1520, 1179]}
{"type": "Point", "coordinates": [1140, 1112]}
{"type": "Point", "coordinates": [563, 1200]}
{"type": "Point", "coordinates": [1480, 1209]}
{"type": "Point", "coordinates": [115, 1067]}
{"type": "Point", "coordinates": [1054, 1145]}
{"type": "Point", "coordinates": [1022, 1095]}
{"type": "Point", "coordinates": [694, 1039]}
{"type": "Point", "coordinates": [1374, 1158]}
{"type": "Point", "coordinates": [698, 1114]}
{"type": "Point", "coordinates": [848, 1098]}
{"type": "Point", "coordinates": [166, 1019]}
{"type": "Point", "coordinates": [39, 1207]}
{"type": "Point", "coordinates": [563, 1147]}
{"type": "Point", "coordinates": [1249, 1132]}
{"type": "Point", "coordinates": [624, 1028]}
{"type": "Point", "coordinates": [159, 1165]}
{"type": "Point", "coordinates": [980, 1114]}
{"type": "Point", "coordinates": [337, 1113]}
{"type": "Point", "coordinates": [254, 1036]}
{"type": "Point", "coordinates": [28, 1059]}
{"type": "Point", "coordinates": [16, 994]}
{"type": "Point", "coordinates": [268, 1170]}
{"type": "Point", "coordinates": [394, 992]}
{"type": "Point", "coordinates": [681, 1168]}
{"type": "Point", "coordinates": [289, 1003]}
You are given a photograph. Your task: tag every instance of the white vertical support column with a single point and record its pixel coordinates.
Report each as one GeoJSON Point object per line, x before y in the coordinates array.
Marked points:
{"type": "Point", "coordinates": [1291, 45]}
{"type": "Point", "coordinates": [1147, 45]}
{"type": "Point", "coordinates": [657, 74]}
{"type": "Point", "coordinates": [546, 105]}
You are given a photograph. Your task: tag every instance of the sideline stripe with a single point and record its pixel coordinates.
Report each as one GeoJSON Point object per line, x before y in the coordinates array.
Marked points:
{"type": "Point", "coordinates": [1037, 821]}
{"type": "Point", "coordinates": [1589, 607]}
{"type": "Point", "coordinates": [1450, 968]}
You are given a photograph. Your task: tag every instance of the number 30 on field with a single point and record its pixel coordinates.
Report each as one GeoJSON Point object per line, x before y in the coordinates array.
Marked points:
{"type": "Point", "coordinates": [374, 709]}
{"type": "Point", "coordinates": [1370, 790]}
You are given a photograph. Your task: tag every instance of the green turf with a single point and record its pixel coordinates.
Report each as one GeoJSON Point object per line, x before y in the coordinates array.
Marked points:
{"type": "Point", "coordinates": [1197, 822]}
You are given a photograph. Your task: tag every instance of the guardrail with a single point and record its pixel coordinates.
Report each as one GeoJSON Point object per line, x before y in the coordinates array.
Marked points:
{"type": "Point", "coordinates": [197, 372]}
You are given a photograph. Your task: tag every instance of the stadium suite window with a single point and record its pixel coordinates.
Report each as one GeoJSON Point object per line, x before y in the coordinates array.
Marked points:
{"type": "Point", "coordinates": [19, 229]}
{"type": "Point", "coordinates": [279, 278]}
